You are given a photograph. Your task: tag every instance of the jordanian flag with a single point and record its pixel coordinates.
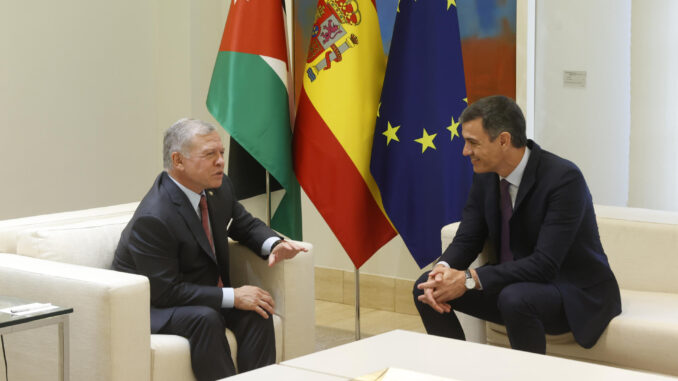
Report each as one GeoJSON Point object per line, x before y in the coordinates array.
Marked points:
{"type": "Point", "coordinates": [248, 96]}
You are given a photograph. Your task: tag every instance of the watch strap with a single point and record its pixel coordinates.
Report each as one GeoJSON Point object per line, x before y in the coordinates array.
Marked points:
{"type": "Point", "coordinates": [276, 243]}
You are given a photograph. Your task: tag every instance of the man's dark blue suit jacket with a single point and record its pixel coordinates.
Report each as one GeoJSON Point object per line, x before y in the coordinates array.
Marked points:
{"type": "Point", "coordinates": [165, 241]}
{"type": "Point", "coordinates": [554, 239]}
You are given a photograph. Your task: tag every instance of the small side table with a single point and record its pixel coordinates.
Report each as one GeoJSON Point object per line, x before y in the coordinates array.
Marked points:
{"type": "Point", "coordinates": [13, 323]}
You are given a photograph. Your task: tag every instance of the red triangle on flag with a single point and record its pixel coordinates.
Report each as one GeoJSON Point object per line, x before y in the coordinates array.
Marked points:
{"type": "Point", "coordinates": [255, 27]}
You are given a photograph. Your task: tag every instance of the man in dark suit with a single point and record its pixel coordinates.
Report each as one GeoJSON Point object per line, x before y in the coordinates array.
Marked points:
{"type": "Point", "coordinates": [534, 208]}
{"type": "Point", "coordinates": [178, 238]}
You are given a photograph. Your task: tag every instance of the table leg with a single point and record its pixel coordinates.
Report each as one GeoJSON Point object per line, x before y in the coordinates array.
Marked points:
{"type": "Point", "coordinates": [64, 349]}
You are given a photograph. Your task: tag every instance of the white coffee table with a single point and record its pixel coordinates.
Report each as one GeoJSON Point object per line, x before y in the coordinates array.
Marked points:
{"type": "Point", "coordinates": [455, 359]}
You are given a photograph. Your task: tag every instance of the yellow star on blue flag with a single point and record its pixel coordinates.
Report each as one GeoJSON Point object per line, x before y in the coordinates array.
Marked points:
{"type": "Point", "coordinates": [426, 141]}
{"type": "Point", "coordinates": [390, 133]}
{"type": "Point", "coordinates": [454, 129]}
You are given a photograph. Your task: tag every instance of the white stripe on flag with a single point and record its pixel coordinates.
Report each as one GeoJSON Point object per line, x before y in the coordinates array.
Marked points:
{"type": "Point", "coordinates": [279, 67]}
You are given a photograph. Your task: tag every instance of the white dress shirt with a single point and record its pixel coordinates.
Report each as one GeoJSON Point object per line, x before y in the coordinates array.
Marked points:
{"type": "Point", "coordinates": [514, 178]}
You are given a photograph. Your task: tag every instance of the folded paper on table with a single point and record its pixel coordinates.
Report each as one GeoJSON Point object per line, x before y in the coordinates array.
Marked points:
{"type": "Point", "coordinates": [397, 374]}
{"type": "Point", "coordinates": [28, 309]}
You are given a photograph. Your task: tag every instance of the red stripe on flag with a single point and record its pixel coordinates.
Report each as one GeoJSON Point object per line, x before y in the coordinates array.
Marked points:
{"type": "Point", "coordinates": [255, 27]}
{"type": "Point", "coordinates": [335, 186]}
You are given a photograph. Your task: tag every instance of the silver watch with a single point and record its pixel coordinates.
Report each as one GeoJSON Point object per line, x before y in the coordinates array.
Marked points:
{"type": "Point", "coordinates": [470, 283]}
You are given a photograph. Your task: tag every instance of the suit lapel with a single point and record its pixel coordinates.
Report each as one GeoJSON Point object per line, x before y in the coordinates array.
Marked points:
{"type": "Point", "coordinates": [189, 215]}
{"type": "Point", "coordinates": [530, 174]}
{"type": "Point", "coordinates": [219, 208]}
{"type": "Point", "coordinates": [493, 212]}
{"type": "Point", "coordinates": [218, 217]}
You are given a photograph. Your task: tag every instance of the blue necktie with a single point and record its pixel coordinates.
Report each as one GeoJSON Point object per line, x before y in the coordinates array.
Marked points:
{"type": "Point", "coordinates": [506, 212]}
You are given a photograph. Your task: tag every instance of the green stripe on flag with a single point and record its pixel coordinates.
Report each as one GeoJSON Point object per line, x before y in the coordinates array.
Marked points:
{"type": "Point", "coordinates": [250, 102]}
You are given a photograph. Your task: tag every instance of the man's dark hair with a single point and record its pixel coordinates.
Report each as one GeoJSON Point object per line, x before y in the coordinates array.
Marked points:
{"type": "Point", "coordinates": [499, 114]}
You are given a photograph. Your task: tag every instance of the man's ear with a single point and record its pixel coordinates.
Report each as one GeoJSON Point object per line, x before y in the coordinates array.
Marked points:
{"type": "Point", "coordinates": [177, 160]}
{"type": "Point", "coordinates": [505, 139]}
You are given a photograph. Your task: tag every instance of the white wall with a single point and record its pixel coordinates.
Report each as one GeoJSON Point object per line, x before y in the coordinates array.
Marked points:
{"type": "Point", "coordinates": [75, 99]}
{"type": "Point", "coordinates": [525, 60]}
{"type": "Point", "coordinates": [86, 89]}
{"type": "Point", "coordinates": [589, 126]}
{"type": "Point", "coordinates": [654, 105]}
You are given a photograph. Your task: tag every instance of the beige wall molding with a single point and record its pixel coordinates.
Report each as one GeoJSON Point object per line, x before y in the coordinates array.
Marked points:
{"type": "Point", "coordinates": [376, 291]}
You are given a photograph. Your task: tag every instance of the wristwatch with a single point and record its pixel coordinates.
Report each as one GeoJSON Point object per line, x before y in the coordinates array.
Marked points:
{"type": "Point", "coordinates": [276, 243]}
{"type": "Point", "coordinates": [470, 283]}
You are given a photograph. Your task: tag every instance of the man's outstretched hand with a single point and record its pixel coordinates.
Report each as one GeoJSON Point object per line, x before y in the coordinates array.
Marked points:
{"type": "Point", "coordinates": [284, 250]}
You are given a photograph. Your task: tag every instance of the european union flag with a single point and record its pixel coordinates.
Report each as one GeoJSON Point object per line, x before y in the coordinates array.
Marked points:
{"type": "Point", "coordinates": [417, 157]}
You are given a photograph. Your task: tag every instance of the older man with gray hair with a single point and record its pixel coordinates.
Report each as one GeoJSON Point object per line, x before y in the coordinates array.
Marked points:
{"type": "Point", "coordinates": [178, 238]}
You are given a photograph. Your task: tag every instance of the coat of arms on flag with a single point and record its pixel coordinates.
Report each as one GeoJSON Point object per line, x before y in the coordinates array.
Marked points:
{"type": "Point", "coordinates": [330, 40]}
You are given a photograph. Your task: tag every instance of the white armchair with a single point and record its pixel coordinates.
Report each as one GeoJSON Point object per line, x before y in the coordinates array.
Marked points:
{"type": "Point", "coordinates": [642, 248]}
{"type": "Point", "coordinates": [110, 327]}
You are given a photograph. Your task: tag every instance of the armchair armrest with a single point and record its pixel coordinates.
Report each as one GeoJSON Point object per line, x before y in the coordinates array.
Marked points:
{"type": "Point", "coordinates": [109, 328]}
{"type": "Point", "coordinates": [291, 283]}
{"type": "Point", "coordinates": [473, 328]}
{"type": "Point", "coordinates": [447, 234]}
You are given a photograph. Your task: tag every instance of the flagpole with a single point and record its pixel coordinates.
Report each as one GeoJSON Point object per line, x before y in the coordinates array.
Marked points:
{"type": "Point", "coordinates": [357, 304]}
{"type": "Point", "coordinates": [268, 200]}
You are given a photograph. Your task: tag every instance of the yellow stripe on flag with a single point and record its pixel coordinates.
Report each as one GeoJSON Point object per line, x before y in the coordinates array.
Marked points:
{"type": "Point", "coordinates": [347, 94]}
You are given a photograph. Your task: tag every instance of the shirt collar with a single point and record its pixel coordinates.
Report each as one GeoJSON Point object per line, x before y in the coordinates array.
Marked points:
{"type": "Point", "coordinates": [516, 176]}
{"type": "Point", "coordinates": [193, 198]}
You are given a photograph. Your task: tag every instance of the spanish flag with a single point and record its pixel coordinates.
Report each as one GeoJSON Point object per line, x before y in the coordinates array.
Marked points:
{"type": "Point", "coordinates": [334, 126]}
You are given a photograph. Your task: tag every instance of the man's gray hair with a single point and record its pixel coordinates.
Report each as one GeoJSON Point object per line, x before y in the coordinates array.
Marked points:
{"type": "Point", "coordinates": [179, 136]}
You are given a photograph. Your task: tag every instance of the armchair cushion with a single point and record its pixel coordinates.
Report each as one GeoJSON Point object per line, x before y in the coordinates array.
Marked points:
{"type": "Point", "coordinates": [9, 229]}
{"type": "Point", "coordinates": [88, 243]}
{"type": "Point", "coordinates": [170, 358]}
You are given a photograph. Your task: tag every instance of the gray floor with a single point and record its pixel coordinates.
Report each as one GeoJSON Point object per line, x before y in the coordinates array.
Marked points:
{"type": "Point", "coordinates": [327, 337]}
{"type": "Point", "coordinates": [335, 323]}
